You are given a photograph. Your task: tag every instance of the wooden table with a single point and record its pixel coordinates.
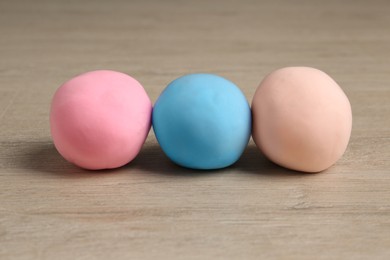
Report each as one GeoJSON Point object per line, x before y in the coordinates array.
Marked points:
{"type": "Point", "coordinates": [152, 209]}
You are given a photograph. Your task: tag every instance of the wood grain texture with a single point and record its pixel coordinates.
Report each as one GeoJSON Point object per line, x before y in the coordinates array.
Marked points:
{"type": "Point", "coordinates": [152, 209]}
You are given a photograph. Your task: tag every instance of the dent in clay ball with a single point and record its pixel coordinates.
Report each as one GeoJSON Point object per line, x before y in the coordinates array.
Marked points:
{"type": "Point", "coordinates": [100, 119]}
{"type": "Point", "coordinates": [302, 119]}
{"type": "Point", "coordinates": [202, 121]}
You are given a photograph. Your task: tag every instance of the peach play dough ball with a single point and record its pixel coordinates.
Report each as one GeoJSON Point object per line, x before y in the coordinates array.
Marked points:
{"type": "Point", "coordinates": [302, 119]}
{"type": "Point", "coordinates": [100, 119]}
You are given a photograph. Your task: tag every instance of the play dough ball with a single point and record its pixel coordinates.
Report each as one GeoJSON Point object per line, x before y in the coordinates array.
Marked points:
{"type": "Point", "coordinates": [302, 119]}
{"type": "Point", "coordinates": [100, 119]}
{"type": "Point", "coordinates": [202, 121]}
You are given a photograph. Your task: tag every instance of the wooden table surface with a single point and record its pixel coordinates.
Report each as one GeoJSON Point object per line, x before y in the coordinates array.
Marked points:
{"type": "Point", "coordinates": [152, 209]}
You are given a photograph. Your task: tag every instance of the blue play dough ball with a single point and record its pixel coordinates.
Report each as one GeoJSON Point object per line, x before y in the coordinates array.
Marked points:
{"type": "Point", "coordinates": [202, 121]}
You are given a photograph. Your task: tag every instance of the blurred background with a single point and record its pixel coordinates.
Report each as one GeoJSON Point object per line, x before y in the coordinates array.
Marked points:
{"type": "Point", "coordinates": [156, 41]}
{"type": "Point", "coordinates": [152, 209]}
{"type": "Point", "coordinates": [45, 43]}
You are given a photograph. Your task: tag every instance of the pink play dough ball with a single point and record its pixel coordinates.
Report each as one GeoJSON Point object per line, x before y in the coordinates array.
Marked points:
{"type": "Point", "coordinates": [100, 119]}
{"type": "Point", "coordinates": [302, 119]}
